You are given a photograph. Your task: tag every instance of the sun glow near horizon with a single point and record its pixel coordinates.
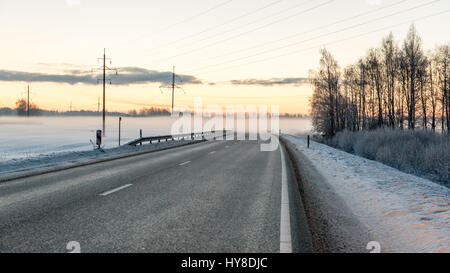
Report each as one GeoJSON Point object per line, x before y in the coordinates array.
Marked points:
{"type": "Point", "coordinates": [249, 42]}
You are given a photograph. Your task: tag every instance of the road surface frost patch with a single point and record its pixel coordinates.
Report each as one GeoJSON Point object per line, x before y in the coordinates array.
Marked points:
{"type": "Point", "coordinates": [405, 213]}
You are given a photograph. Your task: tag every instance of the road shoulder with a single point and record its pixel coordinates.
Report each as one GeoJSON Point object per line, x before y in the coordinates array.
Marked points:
{"type": "Point", "coordinates": [332, 225]}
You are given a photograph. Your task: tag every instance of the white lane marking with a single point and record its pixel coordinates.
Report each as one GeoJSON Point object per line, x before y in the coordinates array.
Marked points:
{"type": "Point", "coordinates": [184, 163]}
{"type": "Point", "coordinates": [285, 221]}
{"type": "Point", "coordinates": [213, 152]}
{"type": "Point", "coordinates": [114, 190]}
{"type": "Point", "coordinates": [227, 146]}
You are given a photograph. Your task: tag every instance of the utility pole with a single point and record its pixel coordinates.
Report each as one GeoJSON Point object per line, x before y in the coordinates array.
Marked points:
{"type": "Point", "coordinates": [172, 87]}
{"type": "Point", "coordinates": [104, 89]}
{"type": "Point", "coordinates": [120, 121]}
{"type": "Point", "coordinates": [28, 101]}
{"type": "Point", "coordinates": [104, 68]}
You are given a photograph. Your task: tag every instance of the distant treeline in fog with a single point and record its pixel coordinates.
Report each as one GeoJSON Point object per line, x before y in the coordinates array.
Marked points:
{"type": "Point", "coordinates": [22, 110]}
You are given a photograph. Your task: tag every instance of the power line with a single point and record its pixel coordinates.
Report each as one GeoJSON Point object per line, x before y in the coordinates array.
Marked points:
{"type": "Point", "coordinates": [188, 19]}
{"type": "Point", "coordinates": [252, 30]}
{"type": "Point", "coordinates": [250, 23]}
{"type": "Point", "coordinates": [198, 15]}
{"type": "Point", "coordinates": [222, 24]}
{"type": "Point", "coordinates": [317, 37]}
{"type": "Point", "coordinates": [311, 30]}
{"type": "Point", "coordinates": [333, 42]}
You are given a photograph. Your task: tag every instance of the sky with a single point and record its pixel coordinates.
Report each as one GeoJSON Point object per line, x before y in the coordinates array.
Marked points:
{"type": "Point", "coordinates": [227, 52]}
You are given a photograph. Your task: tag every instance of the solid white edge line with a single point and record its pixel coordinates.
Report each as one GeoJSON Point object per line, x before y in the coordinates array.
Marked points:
{"type": "Point", "coordinates": [114, 190]}
{"type": "Point", "coordinates": [285, 221]}
{"type": "Point", "coordinates": [184, 163]}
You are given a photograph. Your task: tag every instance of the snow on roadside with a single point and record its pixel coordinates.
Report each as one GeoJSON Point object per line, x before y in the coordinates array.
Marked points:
{"type": "Point", "coordinates": [405, 213]}
{"type": "Point", "coordinates": [67, 158]}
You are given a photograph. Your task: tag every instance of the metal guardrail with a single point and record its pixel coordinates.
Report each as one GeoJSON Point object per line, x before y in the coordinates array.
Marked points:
{"type": "Point", "coordinates": [192, 136]}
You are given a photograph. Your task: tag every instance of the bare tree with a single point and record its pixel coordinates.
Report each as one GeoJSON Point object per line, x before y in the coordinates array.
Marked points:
{"type": "Point", "coordinates": [443, 65]}
{"type": "Point", "coordinates": [374, 70]}
{"type": "Point", "coordinates": [387, 86]}
{"type": "Point", "coordinates": [414, 60]}
{"type": "Point", "coordinates": [324, 102]}
{"type": "Point", "coordinates": [389, 51]}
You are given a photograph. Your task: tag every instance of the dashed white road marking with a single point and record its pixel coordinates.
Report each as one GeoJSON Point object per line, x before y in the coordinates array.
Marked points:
{"type": "Point", "coordinates": [285, 221]}
{"type": "Point", "coordinates": [184, 163]}
{"type": "Point", "coordinates": [213, 152]}
{"type": "Point", "coordinates": [114, 190]}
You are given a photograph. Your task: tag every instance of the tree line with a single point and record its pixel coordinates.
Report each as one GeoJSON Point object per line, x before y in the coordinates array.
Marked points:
{"type": "Point", "coordinates": [21, 109]}
{"type": "Point", "coordinates": [395, 85]}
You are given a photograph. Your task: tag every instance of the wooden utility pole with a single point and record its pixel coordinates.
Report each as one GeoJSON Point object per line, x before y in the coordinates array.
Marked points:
{"type": "Point", "coordinates": [28, 101]}
{"type": "Point", "coordinates": [173, 86]}
{"type": "Point", "coordinates": [104, 89]}
{"type": "Point", "coordinates": [104, 68]}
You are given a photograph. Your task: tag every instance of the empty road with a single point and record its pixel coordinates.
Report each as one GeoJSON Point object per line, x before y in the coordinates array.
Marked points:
{"type": "Point", "coordinates": [216, 196]}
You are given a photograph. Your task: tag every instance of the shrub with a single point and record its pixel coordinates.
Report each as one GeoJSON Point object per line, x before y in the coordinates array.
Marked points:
{"type": "Point", "coordinates": [418, 152]}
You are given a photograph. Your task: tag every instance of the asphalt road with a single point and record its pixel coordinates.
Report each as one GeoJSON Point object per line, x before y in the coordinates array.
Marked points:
{"type": "Point", "coordinates": [217, 196]}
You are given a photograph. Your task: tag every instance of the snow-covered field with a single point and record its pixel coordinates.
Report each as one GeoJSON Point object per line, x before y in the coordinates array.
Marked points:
{"type": "Point", "coordinates": [37, 142]}
{"type": "Point", "coordinates": [404, 213]}
{"type": "Point", "coordinates": [22, 137]}
{"type": "Point", "coordinates": [15, 166]}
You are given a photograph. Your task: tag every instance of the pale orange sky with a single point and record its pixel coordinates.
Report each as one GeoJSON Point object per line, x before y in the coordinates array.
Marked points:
{"type": "Point", "coordinates": [216, 41]}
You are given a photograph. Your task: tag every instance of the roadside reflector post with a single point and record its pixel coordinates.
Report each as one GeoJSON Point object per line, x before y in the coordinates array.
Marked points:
{"type": "Point", "coordinates": [99, 138]}
{"type": "Point", "coordinates": [140, 135]}
{"type": "Point", "coordinates": [308, 142]}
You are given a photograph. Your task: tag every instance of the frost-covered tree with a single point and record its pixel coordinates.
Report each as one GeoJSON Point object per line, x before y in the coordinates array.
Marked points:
{"type": "Point", "coordinates": [325, 99]}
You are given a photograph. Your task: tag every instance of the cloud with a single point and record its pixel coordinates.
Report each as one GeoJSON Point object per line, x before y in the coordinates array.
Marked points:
{"type": "Point", "coordinates": [271, 82]}
{"type": "Point", "coordinates": [126, 76]}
